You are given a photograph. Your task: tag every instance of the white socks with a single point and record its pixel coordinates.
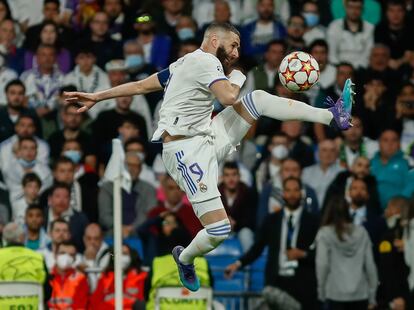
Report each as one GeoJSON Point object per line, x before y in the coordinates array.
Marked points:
{"type": "Point", "coordinates": [206, 240]}
{"type": "Point", "coordinates": [259, 102]}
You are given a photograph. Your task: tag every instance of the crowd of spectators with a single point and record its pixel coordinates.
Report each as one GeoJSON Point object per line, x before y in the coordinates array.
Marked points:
{"type": "Point", "coordinates": [291, 185]}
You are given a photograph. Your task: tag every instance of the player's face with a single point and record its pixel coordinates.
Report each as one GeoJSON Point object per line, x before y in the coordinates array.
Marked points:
{"type": "Point", "coordinates": [228, 50]}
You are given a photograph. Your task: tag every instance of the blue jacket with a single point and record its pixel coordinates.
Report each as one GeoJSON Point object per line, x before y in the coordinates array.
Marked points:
{"type": "Point", "coordinates": [160, 52]}
{"type": "Point", "coordinates": [249, 47]}
{"type": "Point", "coordinates": [391, 177]}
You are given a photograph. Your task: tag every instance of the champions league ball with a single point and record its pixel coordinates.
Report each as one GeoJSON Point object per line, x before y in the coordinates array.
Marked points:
{"type": "Point", "coordinates": [299, 71]}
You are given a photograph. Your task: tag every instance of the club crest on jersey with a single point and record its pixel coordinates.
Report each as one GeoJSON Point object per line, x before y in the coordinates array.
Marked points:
{"type": "Point", "coordinates": [219, 69]}
{"type": "Point", "coordinates": [203, 187]}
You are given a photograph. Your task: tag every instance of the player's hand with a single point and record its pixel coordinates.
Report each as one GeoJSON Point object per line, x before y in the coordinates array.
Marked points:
{"type": "Point", "coordinates": [86, 100]}
{"type": "Point", "coordinates": [295, 254]}
{"type": "Point", "coordinates": [231, 269]}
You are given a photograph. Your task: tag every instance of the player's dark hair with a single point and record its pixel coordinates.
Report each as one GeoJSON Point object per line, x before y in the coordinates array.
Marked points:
{"type": "Point", "coordinates": [289, 179]}
{"type": "Point", "coordinates": [214, 26]}
{"type": "Point", "coordinates": [15, 82]}
{"type": "Point", "coordinates": [232, 165]}
{"type": "Point", "coordinates": [318, 42]}
{"type": "Point", "coordinates": [31, 177]}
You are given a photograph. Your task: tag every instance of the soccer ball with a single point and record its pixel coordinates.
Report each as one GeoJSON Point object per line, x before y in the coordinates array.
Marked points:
{"type": "Point", "coordinates": [299, 71]}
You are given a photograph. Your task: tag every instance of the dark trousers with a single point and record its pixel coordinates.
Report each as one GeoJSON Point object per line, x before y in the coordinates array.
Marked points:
{"type": "Point", "coordinates": [348, 305]}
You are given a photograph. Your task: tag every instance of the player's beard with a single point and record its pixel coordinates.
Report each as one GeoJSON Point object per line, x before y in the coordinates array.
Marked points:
{"type": "Point", "coordinates": [224, 59]}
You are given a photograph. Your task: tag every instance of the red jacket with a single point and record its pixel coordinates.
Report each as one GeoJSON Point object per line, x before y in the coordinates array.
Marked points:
{"type": "Point", "coordinates": [104, 296]}
{"type": "Point", "coordinates": [70, 291]}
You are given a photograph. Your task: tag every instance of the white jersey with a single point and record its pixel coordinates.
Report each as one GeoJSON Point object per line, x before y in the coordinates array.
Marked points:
{"type": "Point", "coordinates": [188, 102]}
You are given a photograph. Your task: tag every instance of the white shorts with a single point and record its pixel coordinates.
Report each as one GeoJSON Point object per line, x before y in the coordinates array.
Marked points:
{"type": "Point", "coordinates": [193, 162]}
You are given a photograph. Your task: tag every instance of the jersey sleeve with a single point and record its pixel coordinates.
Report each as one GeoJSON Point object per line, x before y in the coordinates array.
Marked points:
{"type": "Point", "coordinates": [210, 71]}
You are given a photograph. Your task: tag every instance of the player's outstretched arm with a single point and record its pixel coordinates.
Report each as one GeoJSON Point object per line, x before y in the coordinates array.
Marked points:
{"type": "Point", "coordinates": [227, 91]}
{"type": "Point", "coordinates": [88, 100]}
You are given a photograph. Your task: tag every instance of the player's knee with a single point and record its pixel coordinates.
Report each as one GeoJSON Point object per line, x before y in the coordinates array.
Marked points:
{"type": "Point", "coordinates": [218, 233]}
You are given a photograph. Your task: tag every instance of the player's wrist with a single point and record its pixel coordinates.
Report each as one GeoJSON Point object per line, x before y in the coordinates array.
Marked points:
{"type": "Point", "coordinates": [236, 77]}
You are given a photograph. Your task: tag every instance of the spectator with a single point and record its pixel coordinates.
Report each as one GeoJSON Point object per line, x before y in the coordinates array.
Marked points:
{"type": "Point", "coordinates": [36, 237]}
{"type": "Point", "coordinates": [350, 38]}
{"type": "Point", "coordinates": [169, 16]}
{"type": "Point", "coordinates": [408, 242]}
{"type": "Point", "coordinates": [389, 167]}
{"type": "Point", "coordinates": [15, 100]}
{"type": "Point", "coordinates": [49, 34]}
{"type": "Point", "coordinates": [70, 287]}
{"type": "Point", "coordinates": [99, 39]}
{"type": "Point", "coordinates": [13, 55]}
{"type": "Point", "coordinates": [43, 82]}
{"type": "Point", "coordinates": [72, 130]}
{"type": "Point", "coordinates": [25, 162]}
{"type": "Point", "coordinates": [133, 283]}
{"type": "Point", "coordinates": [96, 253]}
{"type": "Point", "coordinates": [219, 11]}
{"type": "Point", "coordinates": [88, 77]}
{"type": "Point", "coordinates": [31, 188]}
{"type": "Point", "coordinates": [295, 31]}
{"type": "Point", "coordinates": [394, 31]}
{"type": "Point", "coordinates": [59, 207]}
{"type": "Point", "coordinates": [31, 266]}
{"type": "Point", "coordinates": [298, 148]}
{"type": "Point", "coordinates": [355, 145]}
{"type": "Point", "coordinates": [405, 112]}
{"type": "Point", "coordinates": [258, 33]}
{"type": "Point", "coordinates": [186, 47]}
{"type": "Point", "coordinates": [345, 267]}
{"type": "Point", "coordinates": [120, 19]}
{"type": "Point", "coordinates": [290, 262]}
{"type": "Point", "coordinates": [240, 203]}
{"type": "Point", "coordinates": [136, 204]}
{"type": "Point", "coordinates": [185, 28]}
{"type": "Point", "coordinates": [6, 75]}
{"type": "Point", "coordinates": [371, 11]}
{"type": "Point", "coordinates": [157, 47]}
{"type": "Point", "coordinates": [264, 75]}
{"type": "Point", "coordinates": [392, 271]}
{"type": "Point", "coordinates": [320, 175]}
{"type": "Point", "coordinates": [314, 30]}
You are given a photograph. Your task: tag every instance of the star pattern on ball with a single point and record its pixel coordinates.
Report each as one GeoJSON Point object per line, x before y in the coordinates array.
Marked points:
{"type": "Point", "coordinates": [305, 86]}
{"type": "Point", "coordinates": [288, 75]}
{"type": "Point", "coordinates": [307, 66]}
{"type": "Point", "coordinates": [293, 56]}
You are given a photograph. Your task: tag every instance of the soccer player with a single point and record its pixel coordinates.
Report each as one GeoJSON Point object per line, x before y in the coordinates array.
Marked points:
{"type": "Point", "coordinates": [193, 144]}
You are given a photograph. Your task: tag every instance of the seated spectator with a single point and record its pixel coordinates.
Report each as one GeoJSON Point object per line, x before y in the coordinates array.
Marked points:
{"type": "Point", "coordinates": [15, 107]}
{"type": "Point", "coordinates": [355, 145]}
{"type": "Point", "coordinates": [394, 31]}
{"type": "Point", "coordinates": [25, 162]}
{"type": "Point", "coordinates": [389, 167]}
{"type": "Point", "coordinates": [36, 237]}
{"type": "Point", "coordinates": [314, 29]}
{"type": "Point", "coordinates": [291, 259]}
{"type": "Point", "coordinates": [133, 283]}
{"type": "Point", "coordinates": [83, 191]}
{"type": "Point", "coordinates": [84, 171]}
{"type": "Point", "coordinates": [137, 66]}
{"type": "Point", "coordinates": [405, 112]}
{"type": "Point", "coordinates": [88, 77]}
{"type": "Point", "coordinates": [408, 242]}
{"type": "Point", "coordinates": [258, 33]}
{"type": "Point", "coordinates": [345, 267]}
{"type": "Point", "coordinates": [168, 17]}
{"type": "Point", "coordinates": [99, 39]}
{"type": "Point", "coordinates": [360, 169]}
{"type": "Point", "coordinates": [295, 31]}
{"type": "Point", "coordinates": [320, 175]}
{"type": "Point", "coordinates": [72, 130]}
{"type": "Point", "coordinates": [70, 287]}
{"type": "Point", "coordinates": [219, 11]}
{"type": "Point", "coordinates": [58, 233]}
{"type": "Point", "coordinates": [136, 204]}
{"type": "Point", "coordinates": [187, 47]}
{"type": "Point", "coordinates": [96, 253]}
{"type": "Point", "coordinates": [344, 71]}
{"type": "Point", "coordinates": [363, 214]}
{"type": "Point", "coordinates": [120, 19]}
{"type": "Point", "coordinates": [31, 191]}
{"type": "Point", "coordinates": [49, 34]}
{"type": "Point", "coordinates": [350, 38]}
{"type": "Point", "coordinates": [240, 203]}
{"type": "Point", "coordinates": [271, 198]}
{"type": "Point", "coordinates": [371, 11]}
{"type": "Point", "coordinates": [59, 207]}
{"type": "Point", "coordinates": [185, 28]}
{"type": "Point", "coordinates": [13, 55]}
{"type": "Point", "coordinates": [44, 81]}
{"type": "Point", "coordinates": [393, 272]}
{"type": "Point", "coordinates": [6, 75]}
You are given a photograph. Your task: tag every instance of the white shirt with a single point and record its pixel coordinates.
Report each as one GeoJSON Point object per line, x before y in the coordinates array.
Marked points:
{"type": "Point", "coordinates": [6, 75]}
{"type": "Point", "coordinates": [359, 215]}
{"type": "Point", "coordinates": [99, 263]}
{"type": "Point", "coordinates": [318, 32]}
{"type": "Point", "coordinates": [188, 100]}
{"type": "Point", "coordinates": [30, 10]}
{"type": "Point", "coordinates": [19, 207]}
{"type": "Point", "coordinates": [203, 11]}
{"type": "Point", "coordinates": [371, 147]}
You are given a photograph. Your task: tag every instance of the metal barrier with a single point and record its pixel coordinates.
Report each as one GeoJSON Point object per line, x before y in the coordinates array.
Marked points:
{"type": "Point", "coordinates": [239, 300]}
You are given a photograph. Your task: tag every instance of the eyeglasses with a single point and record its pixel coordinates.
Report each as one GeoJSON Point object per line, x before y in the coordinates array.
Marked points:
{"type": "Point", "coordinates": [143, 19]}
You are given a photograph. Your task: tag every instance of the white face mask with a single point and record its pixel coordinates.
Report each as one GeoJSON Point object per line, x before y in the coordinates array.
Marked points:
{"type": "Point", "coordinates": [392, 220]}
{"type": "Point", "coordinates": [125, 261]}
{"type": "Point", "coordinates": [64, 261]}
{"type": "Point", "coordinates": [280, 152]}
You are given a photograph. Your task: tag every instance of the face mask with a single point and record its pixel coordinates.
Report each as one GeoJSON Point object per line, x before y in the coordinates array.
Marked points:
{"type": "Point", "coordinates": [311, 19]}
{"type": "Point", "coordinates": [125, 261]}
{"type": "Point", "coordinates": [280, 151]}
{"type": "Point", "coordinates": [64, 261]}
{"type": "Point", "coordinates": [185, 34]}
{"type": "Point", "coordinates": [73, 155]}
{"type": "Point", "coordinates": [134, 61]}
{"type": "Point", "coordinates": [392, 220]}
{"type": "Point", "coordinates": [26, 163]}
{"type": "Point", "coordinates": [141, 156]}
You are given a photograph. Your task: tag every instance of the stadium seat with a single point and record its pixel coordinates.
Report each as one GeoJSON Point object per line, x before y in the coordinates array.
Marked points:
{"type": "Point", "coordinates": [133, 242]}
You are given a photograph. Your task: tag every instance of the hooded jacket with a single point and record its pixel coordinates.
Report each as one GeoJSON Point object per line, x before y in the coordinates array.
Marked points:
{"type": "Point", "coordinates": [346, 269]}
